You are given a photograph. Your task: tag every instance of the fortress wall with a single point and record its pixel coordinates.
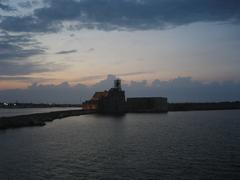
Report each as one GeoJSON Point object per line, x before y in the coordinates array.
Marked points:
{"type": "Point", "coordinates": [147, 104]}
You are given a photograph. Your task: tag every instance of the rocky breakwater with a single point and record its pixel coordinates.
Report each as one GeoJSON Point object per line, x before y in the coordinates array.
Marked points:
{"type": "Point", "coordinates": [38, 119]}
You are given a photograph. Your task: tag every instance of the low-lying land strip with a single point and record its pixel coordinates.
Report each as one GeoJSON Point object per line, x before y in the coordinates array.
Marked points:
{"type": "Point", "coordinates": [203, 106]}
{"type": "Point", "coordinates": [38, 119]}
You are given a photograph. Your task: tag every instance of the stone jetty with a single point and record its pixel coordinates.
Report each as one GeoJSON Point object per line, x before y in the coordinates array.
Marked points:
{"type": "Point", "coordinates": [38, 119]}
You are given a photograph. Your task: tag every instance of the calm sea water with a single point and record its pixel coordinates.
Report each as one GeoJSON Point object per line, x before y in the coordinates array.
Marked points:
{"type": "Point", "coordinates": [177, 145]}
{"type": "Point", "coordinates": [20, 111]}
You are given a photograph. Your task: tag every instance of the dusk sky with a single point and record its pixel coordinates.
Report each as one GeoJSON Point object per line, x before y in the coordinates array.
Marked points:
{"type": "Point", "coordinates": [80, 42]}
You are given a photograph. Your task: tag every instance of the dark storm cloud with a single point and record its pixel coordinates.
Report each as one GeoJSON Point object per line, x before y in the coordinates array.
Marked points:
{"type": "Point", "coordinates": [17, 46]}
{"type": "Point", "coordinates": [67, 52]}
{"type": "Point", "coordinates": [181, 89]}
{"type": "Point", "coordinates": [26, 4]}
{"type": "Point", "coordinates": [28, 24]}
{"type": "Point", "coordinates": [14, 53]}
{"type": "Point", "coordinates": [124, 14]}
{"type": "Point", "coordinates": [5, 7]}
{"type": "Point", "coordinates": [136, 14]}
{"type": "Point", "coordinates": [11, 51]}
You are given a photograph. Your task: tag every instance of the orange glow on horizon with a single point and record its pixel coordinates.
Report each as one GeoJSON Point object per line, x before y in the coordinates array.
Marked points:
{"type": "Point", "coordinates": [4, 85]}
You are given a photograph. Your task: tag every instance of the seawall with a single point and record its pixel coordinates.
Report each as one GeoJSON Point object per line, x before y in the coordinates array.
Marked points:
{"type": "Point", "coordinates": [38, 119]}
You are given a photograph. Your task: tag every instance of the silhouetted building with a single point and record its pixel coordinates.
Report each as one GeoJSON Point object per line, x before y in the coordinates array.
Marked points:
{"type": "Point", "coordinates": [113, 102]}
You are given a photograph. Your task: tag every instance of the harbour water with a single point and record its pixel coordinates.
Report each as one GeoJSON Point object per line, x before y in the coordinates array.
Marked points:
{"type": "Point", "coordinates": [176, 145]}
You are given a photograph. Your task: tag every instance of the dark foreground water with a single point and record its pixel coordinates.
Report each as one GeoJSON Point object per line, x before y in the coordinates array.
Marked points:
{"type": "Point", "coordinates": [179, 145]}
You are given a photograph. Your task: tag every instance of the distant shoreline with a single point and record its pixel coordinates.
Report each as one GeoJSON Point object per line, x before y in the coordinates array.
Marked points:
{"type": "Point", "coordinates": [36, 105]}
{"type": "Point", "coordinates": [203, 106]}
{"type": "Point", "coordinates": [40, 119]}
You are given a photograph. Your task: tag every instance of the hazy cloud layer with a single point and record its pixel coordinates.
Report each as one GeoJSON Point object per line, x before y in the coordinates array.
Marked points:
{"type": "Point", "coordinates": [21, 21]}
{"type": "Point", "coordinates": [32, 17]}
{"type": "Point", "coordinates": [25, 79]}
{"type": "Point", "coordinates": [123, 14]}
{"type": "Point", "coordinates": [98, 77]}
{"type": "Point", "coordinates": [182, 89]}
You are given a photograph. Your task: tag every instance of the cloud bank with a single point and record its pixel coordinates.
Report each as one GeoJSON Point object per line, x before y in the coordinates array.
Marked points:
{"type": "Point", "coordinates": [122, 14]}
{"type": "Point", "coordinates": [181, 89]}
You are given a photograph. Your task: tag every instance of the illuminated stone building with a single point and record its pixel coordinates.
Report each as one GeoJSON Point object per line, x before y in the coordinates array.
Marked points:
{"type": "Point", "coordinates": [108, 102]}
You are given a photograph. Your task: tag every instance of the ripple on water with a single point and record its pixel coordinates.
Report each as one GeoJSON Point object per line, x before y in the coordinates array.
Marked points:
{"type": "Point", "coordinates": [181, 145]}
